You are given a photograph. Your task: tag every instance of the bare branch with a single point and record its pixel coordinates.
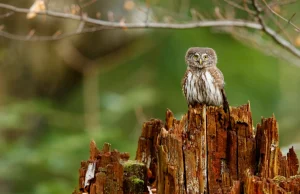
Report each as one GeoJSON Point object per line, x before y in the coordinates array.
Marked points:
{"type": "Point", "coordinates": [267, 47]}
{"type": "Point", "coordinates": [195, 15]}
{"type": "Point", "coordinates": [104, 25]}
{"type": "Point", "coordinates": [234, 4]}
{"type": "Point", "coordinates": [281, 41]}
{"type": "Point", "coordinates": [147, 12]}
{"type": "Point", "coordinates": [282, 28]}
{"type": "Point", "coordinates": [82, 23]}
{"type": "Point", "coordinates": [80, 27]}
{"type": "Point", "coordinates": [56, 36]}
{"type": "Point", "coordinates": [116, 25]}
{"type": "Point", "coordinates": [245, 3]}
{"type": "Point", "coordinates": [237, 23]}
{"type": "Point", "coordinates": [281, 17]}
{"type": "Point", "coordinates": [88, 3]}
{"type": "Point", "coordinates": [287, 2]}
{"type": "Point", "coordinates": [6, 15]}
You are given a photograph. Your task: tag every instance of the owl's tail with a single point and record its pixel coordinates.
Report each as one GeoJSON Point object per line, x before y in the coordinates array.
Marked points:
{"type": "Point", "coordinates": [226, 105]}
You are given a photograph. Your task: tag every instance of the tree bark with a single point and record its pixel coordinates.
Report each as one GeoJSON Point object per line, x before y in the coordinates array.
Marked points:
{"type": "Point", "coordinates": [203, 152]}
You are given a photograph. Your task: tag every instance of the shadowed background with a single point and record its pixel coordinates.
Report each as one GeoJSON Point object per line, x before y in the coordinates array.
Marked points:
{"type": "Point", "coordinates": [56, 96]}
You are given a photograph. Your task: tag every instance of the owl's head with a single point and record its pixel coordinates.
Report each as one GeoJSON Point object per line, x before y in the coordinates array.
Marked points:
{"type": "Point", "coordinates": [200, 57]}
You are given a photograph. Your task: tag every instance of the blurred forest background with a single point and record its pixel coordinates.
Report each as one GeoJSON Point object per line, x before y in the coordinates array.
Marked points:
{"type": "Point", "coordinates": [55, 96]}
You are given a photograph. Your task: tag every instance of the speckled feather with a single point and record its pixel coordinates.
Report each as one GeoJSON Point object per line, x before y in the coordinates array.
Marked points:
{"type": "Point", "coordinates": [203, 86]}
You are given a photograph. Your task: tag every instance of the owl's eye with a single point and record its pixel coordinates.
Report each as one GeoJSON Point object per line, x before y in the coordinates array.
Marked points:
{"type": "Point", "coordinates": [204, 57]}
{"type": "Point", "coordinates": [196, 57]}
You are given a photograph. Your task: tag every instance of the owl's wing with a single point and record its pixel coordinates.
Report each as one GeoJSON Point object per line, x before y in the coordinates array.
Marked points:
{"type": "Point", "coordinates": [183, 81]}
{"type": "Point", "coordinates": [219, 83]}
{"type": "Point", "coordinates": [218, 77]}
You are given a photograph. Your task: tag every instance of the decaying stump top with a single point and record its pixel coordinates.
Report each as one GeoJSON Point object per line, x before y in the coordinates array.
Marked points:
{"type": "Point", "coordinates": [206, 152]}
{"type": "Point", "coordinates": [203, 152]}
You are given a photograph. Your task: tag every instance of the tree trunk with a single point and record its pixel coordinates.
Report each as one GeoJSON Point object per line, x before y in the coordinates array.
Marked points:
{"type": "Point", "coordinates": [204, 152]}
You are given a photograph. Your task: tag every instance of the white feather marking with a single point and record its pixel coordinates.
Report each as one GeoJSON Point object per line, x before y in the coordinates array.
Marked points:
{"type": "Point", "coordinates": [188, 85]}
{"type": "Point", "coordinates": [210, 83]}
{"type": "Point", "coordinates": [200, 98]}
{"type": "Point", "coordinates": [194, 91]}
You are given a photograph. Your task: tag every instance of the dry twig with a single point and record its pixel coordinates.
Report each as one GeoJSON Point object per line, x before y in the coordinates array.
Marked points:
{"type": "Point", "coordinates": [281, 17]}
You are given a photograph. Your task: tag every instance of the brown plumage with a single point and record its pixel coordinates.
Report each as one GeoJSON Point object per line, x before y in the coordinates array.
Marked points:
{"type": "Point", "coordinates": [203, 82]}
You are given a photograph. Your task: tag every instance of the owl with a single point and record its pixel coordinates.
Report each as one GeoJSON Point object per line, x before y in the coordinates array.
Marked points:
{"type": "Point", "coordinates": [203, 82]}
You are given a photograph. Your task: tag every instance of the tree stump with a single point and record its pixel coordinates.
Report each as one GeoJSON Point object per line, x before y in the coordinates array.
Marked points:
{"type": "Point", "coordinates": [203, 152]}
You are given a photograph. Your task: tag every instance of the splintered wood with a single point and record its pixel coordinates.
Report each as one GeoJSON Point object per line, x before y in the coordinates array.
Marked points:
{"type": "Point", "coordinates": [110, 172]}
{"type": "Point", "coordinates": [207, 152]}
{"type": "Point", "coordinates": [203, 152]}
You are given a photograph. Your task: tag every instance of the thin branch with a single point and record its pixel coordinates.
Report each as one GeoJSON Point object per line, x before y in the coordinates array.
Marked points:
{"type": "Point", "coordinates": [290, 19]}
{"type": "Point", "coordinates": [245, 3]}
{"type": "Point", "coordinates": [217, 23]}
{"type": "Point", "coordinates": [267, 47]}
{"type": "Point", "coordinates": [282, 28]}
{"type": "Point", "coordinates": [237, 23]}
{"type": "Point", "coordinates": [82, 23]}
{"type": "Point", "coordinates": [147, 12]}
{"type": "Point", "coordinates": [234, 4]}
{"type": "Point", "coordinates": [281, 41]}
{"type": "Point", "coordinates": [88, 3]}
{"type": "Point", "coordinates": [113, 25]}
{"type": "Point", "coordinates": [55, 36]}
{"type": "Point", "coordinates": [281, 17]}
{"type": "Point", "coordinates": [288, 2]}
{"type": "Point", "coordinates": [80, 27]}
{"type": "Point", "coordinates": [6, 15]}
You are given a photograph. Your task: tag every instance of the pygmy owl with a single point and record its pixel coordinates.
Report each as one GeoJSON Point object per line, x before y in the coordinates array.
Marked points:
{"type": "Point", "coordinates": [203, 82]}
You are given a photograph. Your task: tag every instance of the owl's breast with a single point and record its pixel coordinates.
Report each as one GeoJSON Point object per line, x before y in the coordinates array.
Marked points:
{"type": "Point", "coordinates": [200, 87]}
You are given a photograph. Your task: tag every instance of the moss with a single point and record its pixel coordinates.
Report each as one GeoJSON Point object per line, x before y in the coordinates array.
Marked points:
{"type": "Point", "coordinates": [135, 174]}
{"type": "Point", "coordinates": [134, 185]}
{"type": "Point", "coordinates": [128, 165]}
{"type": "Point", "coordinates": [134, 168]}
{"type": "Point", "coordinates": [136, 181]}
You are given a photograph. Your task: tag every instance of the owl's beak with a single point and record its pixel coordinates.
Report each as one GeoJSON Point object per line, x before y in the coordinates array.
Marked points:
{"type": "Point", "coordinates": [200, 61]}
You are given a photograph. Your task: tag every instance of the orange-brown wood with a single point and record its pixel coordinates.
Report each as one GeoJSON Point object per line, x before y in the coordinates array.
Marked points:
{"type": "Point", "coordinates": [203, 152]}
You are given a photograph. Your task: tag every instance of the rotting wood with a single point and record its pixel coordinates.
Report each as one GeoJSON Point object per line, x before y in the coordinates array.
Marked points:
{"type": "Point", "coordinates": [114, 173]}
{"type": "Point", "coordinates": [147, 149]}
{"type": "Point", "coordinates": [203, 152]}
{"type": "Point", "coordinates": [200, 153]}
